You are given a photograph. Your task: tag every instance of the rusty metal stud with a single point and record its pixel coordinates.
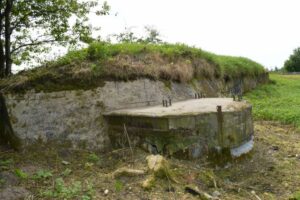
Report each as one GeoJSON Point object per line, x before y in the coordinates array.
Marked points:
{"type": "Point", "coordinates": [219, 109]}
{"type": "Point", "coordinates": [170, 101]}
{"type": "Point", "coordinates": [166, 102]}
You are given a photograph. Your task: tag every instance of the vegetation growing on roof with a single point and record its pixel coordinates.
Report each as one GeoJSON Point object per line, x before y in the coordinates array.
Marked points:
{"type": "Point", "coordinates": [88, 67]}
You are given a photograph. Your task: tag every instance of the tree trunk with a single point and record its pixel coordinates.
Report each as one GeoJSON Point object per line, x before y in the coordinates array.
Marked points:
{"type": "Point", "coordinates": [2, 58]}
{"type": "Point", "coordinates": [8, 60]}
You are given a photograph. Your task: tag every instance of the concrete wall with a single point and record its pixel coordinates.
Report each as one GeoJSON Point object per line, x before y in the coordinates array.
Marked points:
{"type": "Point", "coordinates": [75, 117]}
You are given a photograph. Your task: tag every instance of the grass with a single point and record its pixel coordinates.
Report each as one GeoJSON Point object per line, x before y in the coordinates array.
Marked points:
{"type": "Point", "coordinates": [279, 100]}
{"type": "Point", "coordinates": [87, 68]}
{"type": "Point", "coordinates": [272, 174]}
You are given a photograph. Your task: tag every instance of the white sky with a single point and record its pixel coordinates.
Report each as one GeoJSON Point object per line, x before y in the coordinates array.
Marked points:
{"type": "Point", "coordinates": [266, 31]}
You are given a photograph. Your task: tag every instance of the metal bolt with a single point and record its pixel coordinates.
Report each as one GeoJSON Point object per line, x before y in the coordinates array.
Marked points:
{"type": "Point", "coordinates": [166, 102]}
{"type": "Point", "coordinates": [219, 109]}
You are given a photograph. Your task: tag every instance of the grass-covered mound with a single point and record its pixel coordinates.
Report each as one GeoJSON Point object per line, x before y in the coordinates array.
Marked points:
{"type": "Point", "coordinates": [278, 101]}
{"type": "Point", "coordinates": [87, 68]}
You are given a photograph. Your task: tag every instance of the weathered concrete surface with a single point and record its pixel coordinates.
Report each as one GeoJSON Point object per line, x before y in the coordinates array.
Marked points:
{"type": "Point", "coordinates": [188, 107]}
{"type": "Point", "coordinates": [75, 117]}
{"type": "Point", "coordinates": [193, 126]}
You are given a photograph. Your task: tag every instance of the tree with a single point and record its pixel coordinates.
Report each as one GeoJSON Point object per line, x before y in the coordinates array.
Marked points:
{"type": "Point", "coordinates": [152, 36]}
{"type": "Point", "coordinates": [293, 63]}
{"type": "Point", "coordinates": [28, 27]}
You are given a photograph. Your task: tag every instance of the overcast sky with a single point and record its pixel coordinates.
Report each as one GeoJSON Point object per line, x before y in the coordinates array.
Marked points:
{"type": "Point", "coordinates": [266, 31]}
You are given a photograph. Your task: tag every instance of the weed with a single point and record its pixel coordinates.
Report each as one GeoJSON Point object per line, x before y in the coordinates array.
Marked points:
{"type": "Point", "coordinates": [43, 174]}
{"type": "Point", "coordinates": [93, 158]}
{"type": "Point", "coordinates": [62, 191]}
{"type": "Point", "coordinates": [6, 162]}
{"type": "Point", "coordinates": [67, 172]}
{"type": "Point", "coordinates": [296, 196]}
{"type": "Point", "coordinates": [21, 174]}
{"type": "Point", "coordinates": [118, 186]}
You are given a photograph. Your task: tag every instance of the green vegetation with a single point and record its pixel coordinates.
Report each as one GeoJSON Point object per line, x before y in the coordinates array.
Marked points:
{"type": "Point", "coordinates": [43, 174]}
{"type": "Point", "coordinates": [93, 158]}
{"type": "Point", "coordinates": [296, 196]}
{"type": "Point", "coordinates": [87, 68]}
{"type": "Point", "coordinates": [293, 63]}
{"type": "Point", "coordinates": [279, 100]}
{"type": "Point", "coordinates": [62, 191]}
{"type": "Point", "coordinates": [19, 173]}
{"type": "Point", "coordinates": [24, 35]}
{"type": "Point", "coordinates": [118, 185]}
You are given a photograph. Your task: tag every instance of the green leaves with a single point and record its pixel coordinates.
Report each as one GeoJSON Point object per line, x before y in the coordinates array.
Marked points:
{"type": "Point", "coordinates": [37, 25]}
{"type": "Point", "coordinates": [21, 174]}
{"type": "Point", "coordinates": [43, 174]}
{"type": "Point", "coordinates": [293, 63]}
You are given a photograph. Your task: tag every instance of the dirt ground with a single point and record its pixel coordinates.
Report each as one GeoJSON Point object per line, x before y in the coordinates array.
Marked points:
{"type": "Point", "coordinates": [270, 171]}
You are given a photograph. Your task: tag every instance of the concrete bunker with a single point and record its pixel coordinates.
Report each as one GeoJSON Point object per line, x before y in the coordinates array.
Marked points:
{"type": "Point", "coordinates": [191, 128]}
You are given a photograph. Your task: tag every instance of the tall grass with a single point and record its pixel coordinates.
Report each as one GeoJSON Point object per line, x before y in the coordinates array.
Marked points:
{"type": "Point", "coordinates": [127, 61]}
{"type": "Point", "coordinates": [278, 101]}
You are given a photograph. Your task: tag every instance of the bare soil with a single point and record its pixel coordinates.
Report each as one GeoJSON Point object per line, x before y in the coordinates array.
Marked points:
{"type": "Point", "coordinates": [270, 171]}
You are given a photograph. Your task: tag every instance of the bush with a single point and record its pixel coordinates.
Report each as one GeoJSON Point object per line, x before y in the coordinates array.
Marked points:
{"type": "Point", "coordinates": [293, 63]}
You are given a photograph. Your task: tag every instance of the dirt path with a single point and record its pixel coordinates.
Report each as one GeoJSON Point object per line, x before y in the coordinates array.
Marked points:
{"type": "Point", "coordinates": [271, 171]}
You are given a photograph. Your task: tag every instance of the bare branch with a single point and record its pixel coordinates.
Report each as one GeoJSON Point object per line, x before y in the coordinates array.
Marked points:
{"type": "Point", "coordinates": [31, 44]}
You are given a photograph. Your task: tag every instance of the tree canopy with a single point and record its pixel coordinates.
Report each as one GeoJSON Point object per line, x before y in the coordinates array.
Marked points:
{"type": "Point", "coordinates": [27, 25]}
{"type": "Point", "coordinates": [293, 63]}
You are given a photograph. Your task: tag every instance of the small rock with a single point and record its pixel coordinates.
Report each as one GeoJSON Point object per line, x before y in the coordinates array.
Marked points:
{"type": "Point", "coordinates": [159, 166]}
{"type": "Point", "coordinates": [106, 192]}
{"type": "Point", "coordinates": [148, 183]}
{"type": "Point", "coordinates": [65, 162]}
{"type": "Point", "coordinates": [216, 194]}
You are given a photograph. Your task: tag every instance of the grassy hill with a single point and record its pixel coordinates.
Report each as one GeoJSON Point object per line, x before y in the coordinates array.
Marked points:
{"type": "Point", "coordinates": [87, 68]}
{"type": "Point", "coordinates": [279, 100]}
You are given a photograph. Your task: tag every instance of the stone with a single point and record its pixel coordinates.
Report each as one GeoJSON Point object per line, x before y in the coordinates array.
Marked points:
{"type": "Point", "coordinates": [216, 194]}
{"type": "Point", "coordinates": [106, 192]}
{"type": "Point", "coordinates": [158, 165]}
{"type": "Point", "coordinates": [149, 182]}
